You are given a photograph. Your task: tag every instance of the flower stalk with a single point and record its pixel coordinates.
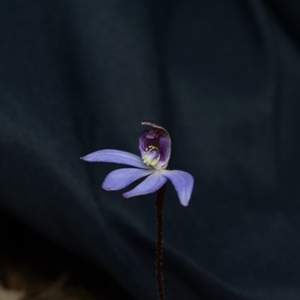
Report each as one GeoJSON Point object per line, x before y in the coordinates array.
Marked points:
{"type": "Point", "coordinates": [159, 241]}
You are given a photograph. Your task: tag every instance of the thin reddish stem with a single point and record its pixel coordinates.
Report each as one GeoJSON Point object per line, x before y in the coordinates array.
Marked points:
{"type": "Point", "coordinates": [159, 241]}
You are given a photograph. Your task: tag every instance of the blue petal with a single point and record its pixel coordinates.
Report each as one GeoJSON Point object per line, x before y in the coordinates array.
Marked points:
{"type": "Point", "coordinates": [119, 179]}
{"type": "Point", "coordinates": [183, 183]}
{"type": "Point", "coordinates": [149, 185]}
{"type": "Point", "coordinates": [116, 156]}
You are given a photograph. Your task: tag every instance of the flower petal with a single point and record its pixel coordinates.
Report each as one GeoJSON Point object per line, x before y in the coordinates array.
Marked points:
{"type": "Point", "coordinates": [116, 156]}
{"type": "Point", "coordinates": [119, 179]}
{"type": "Point", "coordinates": [149, 185]}
{"type": "Point", "coordinates": [183, 183]}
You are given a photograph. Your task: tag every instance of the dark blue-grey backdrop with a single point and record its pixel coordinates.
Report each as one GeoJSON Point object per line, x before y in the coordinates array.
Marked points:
{"type": "Point", "coordinates": [222, 77]}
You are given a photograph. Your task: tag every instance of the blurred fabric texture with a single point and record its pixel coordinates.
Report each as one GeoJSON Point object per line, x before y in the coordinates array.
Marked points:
{"type": "Point", "coordinates": [221, 76]}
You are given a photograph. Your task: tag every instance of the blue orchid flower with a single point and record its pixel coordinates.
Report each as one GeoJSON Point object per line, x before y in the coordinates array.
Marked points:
{"type": "Point", "coordinates": [155, 148]}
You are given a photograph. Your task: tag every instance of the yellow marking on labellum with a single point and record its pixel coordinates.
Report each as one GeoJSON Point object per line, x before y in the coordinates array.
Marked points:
{"type": "Point", "coordinates": [151, 148]}
{"type": "Point", "coordinates": [148, 158]}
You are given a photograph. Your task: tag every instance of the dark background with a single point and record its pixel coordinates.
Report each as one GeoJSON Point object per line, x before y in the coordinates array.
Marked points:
{"type": "Point", "coordinates": [221, 76]}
